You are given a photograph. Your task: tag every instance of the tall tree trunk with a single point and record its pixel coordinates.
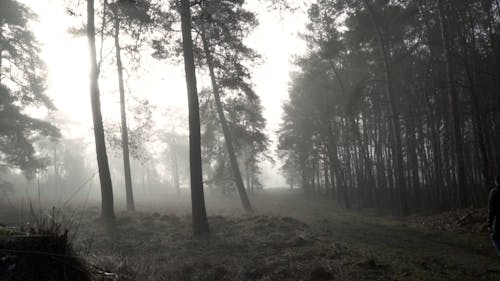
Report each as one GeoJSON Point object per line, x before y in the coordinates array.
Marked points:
{"type": "Point", "coordinates": [199, 213]}
{"type": "Point", "coordinates": [496, 129]}
{"type": "Point", "coordinates": [470, 66]}
{"type": "Point", "coordinates": [107, 211]}
{"type": "Point", "coordinates": [393, 112]}
{"type": "Point", "coordinates": [478, 122]}
{"type": "Point", "coordinates": [350, 114]}
{"type": "Point", "coordinates": [303, 172]}
{"type": "Point", "coordinates": [225, 129]}
{"type": "Point", "coordinates": [175, 173]}
{"type": "Point", "coordinates": [247, 174]}
{"type": "Point", "coordinates": [326, 175]}
{"type": "Point", "coordinates": [56, 173]}
{"type": "Point", "coordinates": [492, 27]}
{"type": "Point", "coordinates": [126, 155]}
{"type": "Point", "coordinates": [414, 180]}
{"type": "Point", "coordinates": [1, 51]}
{"type": "Point", "coordinates": [379, 158]}
{"type": "Point", "coordinates": [341, 187]}
{"type": "Point", "coordinates": [252, 177]}
{"type": "Point", "coordinates": [455, 115]}
{"type": "Point", "coordinates": [317, 172]}
{"type": "Point", "coordinates": [433, 118]}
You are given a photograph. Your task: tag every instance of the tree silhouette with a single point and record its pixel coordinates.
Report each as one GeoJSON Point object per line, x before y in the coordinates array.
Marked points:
{"type": "Point", "coordinates": [22, 85]}
{"type": "Point", "coordinates": [200, 222]}
{"type": "Point", "coordinates": [107, 210]}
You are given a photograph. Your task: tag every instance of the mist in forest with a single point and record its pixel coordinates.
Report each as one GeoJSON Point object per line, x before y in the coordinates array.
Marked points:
{"type": "Point", "coordinates": [249, 140]}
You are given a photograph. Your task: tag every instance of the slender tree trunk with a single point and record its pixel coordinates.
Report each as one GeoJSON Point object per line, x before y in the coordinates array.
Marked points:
{"type": "Point", "coordinates": [342, 192]}
{"type": "Point", "coordinates": [225, 129]}
{"type": "Point", "coordinates": [317, 172]}
{"type": "Point", "coordinates": [251, 183]}
{"type": "Point", "coordinates": [478, 119]}
{"type": "Point", "coordinates": [478, 124]}
{"type": "Point", "coordinates": [252, 177]}
{"type": "Point", "coordinates": [364, 153]}
{"type": "Point", "coordinates": [334, 187]}
{"type": "Point", "coordinates": [1, 51]}
{"type": "Point", "coordinates": [433, 123]}
{"type": "Point", "coordinates": [380, 163]}
{"type": "Point", "coordinates": [199, 214]}
{"type": "Point", "coordinates": [247, 175]}
{"type": "Point", "coordinates": [393, 112]}
{"type": "Point", "coordinates": [56, 174]}
{"type": "Point", "coordinates": [455, 114]}
{"type": "Point", "coordinates": [493, 34]}
{"type": "Point", "coordinates": [303, 170]}
{"type": "Point", "coordinates": [350, 181]}
{"type": "Point", "coordinates": [107, 211]}
{"type": "Point", "coordinates": [175, 172]}
{"type": "Point", "coordinates": [412, 157]}
{"type": "Point", "coordinates": [326, 175]}
{"type": "Point", "coordinates": [350, 114]}
{"type": "Point", "coordinates": [369, 135]}
{"type": "Point", "coordinates": [126, 155]}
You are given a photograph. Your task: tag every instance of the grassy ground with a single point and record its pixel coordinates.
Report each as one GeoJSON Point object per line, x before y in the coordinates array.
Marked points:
{"type": "Point", "coordinates": [288, 237]}
{"type": "Point", "coordinates": [411, 248]}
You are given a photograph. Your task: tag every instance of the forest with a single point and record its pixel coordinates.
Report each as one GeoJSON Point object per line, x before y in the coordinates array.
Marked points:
{"type": "Point", "coordinates": [249, 140]}
{"type": "Point", "coordinates": [396, 106]}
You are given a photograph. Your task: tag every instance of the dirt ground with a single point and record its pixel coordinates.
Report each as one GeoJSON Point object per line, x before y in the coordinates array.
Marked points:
{"type": "Point", "coordinates": [288, 237]}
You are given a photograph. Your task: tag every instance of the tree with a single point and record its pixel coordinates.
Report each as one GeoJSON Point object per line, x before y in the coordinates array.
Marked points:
{"type": "Point", "coordinates": [393, 107]}
{"type": "Point", "coordinates": [137, 17]}
{"type": "Point", "coordinates": [222, 27]}
{"type": "Point", "coordinates": [200, 222]}
{"type": "Point", "coordinates": [22, 85]}
{"type": "Point", "coordinates": [123, 117]}
{"type": "Point", "coordinates": [386, 110]}
{"type": "Point", "coordinates": [131, 20]}
{"type": "Point", "coordinates": [227, 134]}
{"type": "Point", "coordinates": [453, 97]}
{"type": "Point", "coordinates": [107, 210]}
{"type": "Point", "coordinates": [246, 124]}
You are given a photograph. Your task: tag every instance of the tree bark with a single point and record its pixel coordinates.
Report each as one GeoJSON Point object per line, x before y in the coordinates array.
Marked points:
{"type": "Point", "coordinates": [107, 211]}
{"type": "Point", "coordinates": [199, 215]}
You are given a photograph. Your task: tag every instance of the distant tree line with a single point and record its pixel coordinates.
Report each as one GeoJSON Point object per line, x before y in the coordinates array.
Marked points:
{"type": "Point", "coordinates": [396, 104]}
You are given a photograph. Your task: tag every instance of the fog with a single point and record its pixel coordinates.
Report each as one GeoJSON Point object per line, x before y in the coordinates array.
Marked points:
{"type": "Point", "coordinates": [249, 140]}
{"type": "Point", "coordinates": [161, 84]}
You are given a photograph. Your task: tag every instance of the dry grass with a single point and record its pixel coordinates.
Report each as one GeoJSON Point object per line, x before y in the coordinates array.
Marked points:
{"type": "Point", "coordinates": [260, 247]}
{"type": "Point", "coordinates": [39, 250]}
{"type": "Point", "coordinates": [289, 237]}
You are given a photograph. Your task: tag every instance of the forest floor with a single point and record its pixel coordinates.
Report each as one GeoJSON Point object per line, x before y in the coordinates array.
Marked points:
{"type": "Point", "coordinates": [288, 237]}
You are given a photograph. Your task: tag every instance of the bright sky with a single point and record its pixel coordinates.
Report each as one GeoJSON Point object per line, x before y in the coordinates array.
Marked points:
{"type": "Point", "coordinates": [275, 39]}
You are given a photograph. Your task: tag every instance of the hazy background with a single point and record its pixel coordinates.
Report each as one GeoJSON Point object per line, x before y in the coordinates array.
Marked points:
{"type": "Point", "coordinates": [162, 85]}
